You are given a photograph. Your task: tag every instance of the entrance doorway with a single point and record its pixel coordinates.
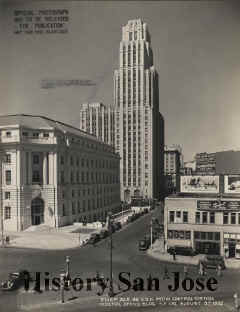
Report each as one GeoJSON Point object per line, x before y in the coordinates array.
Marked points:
{"type": "Point", "coordinates": [37, 211]}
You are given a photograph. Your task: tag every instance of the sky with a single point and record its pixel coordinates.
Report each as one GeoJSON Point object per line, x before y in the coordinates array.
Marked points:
{"type": "Point", "coordinates": [196, 48]}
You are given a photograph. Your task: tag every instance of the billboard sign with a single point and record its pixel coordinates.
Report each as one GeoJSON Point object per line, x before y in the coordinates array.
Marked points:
{"type": "Point", "coordinates": [218, 205]}
{"type": "Point", "coordinates": [199, 184]}
{"type": "Point", "coordinates": [232, 184]}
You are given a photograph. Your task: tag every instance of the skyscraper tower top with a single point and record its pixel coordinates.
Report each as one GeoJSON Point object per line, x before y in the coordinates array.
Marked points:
{"type": "Point", "coordinates": [135, 30]}
{"type": "Point", "coordinates": [135, 47]}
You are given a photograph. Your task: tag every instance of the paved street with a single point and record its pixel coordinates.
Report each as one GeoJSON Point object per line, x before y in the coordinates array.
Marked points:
{"type": "Point", "coordinates": [87, 260]}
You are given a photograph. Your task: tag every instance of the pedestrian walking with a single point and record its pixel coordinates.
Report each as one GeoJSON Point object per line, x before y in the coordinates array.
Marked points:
{"type": "Point", "coordinates": [219, 270]}
{"type": "Point", "coordinates": [201, 269]}
{"type": "Point", "coordinates": [174, 254]}
{"type": "Point", "coordinates": [185, 270]}
{"type": "Point", "coordinates": [166, 273]}
{"type": "Point", "coordinates": [102, 283]}
{"type": "Point", "coordinates": [7, 240]}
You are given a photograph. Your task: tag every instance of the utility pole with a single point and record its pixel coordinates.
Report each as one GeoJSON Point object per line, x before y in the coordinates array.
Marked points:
{"type": "Point", "coordinates": [151, 232]}
{"type": "Point", "coordinates": [111, 293]}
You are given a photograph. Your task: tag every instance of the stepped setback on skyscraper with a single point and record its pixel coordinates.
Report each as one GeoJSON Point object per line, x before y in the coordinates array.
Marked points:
{"type": "Point", "coordinates": [139, 126]}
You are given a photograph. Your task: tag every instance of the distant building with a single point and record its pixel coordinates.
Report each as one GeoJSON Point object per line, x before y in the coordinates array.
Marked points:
{"type": "Point", "coordinates": [224, 162]}
{"type": "Point", "coordinates": [205, 215]}
{"type": "Point", "coordinates": [172, 164]}
{"type": "Point", "coordinates": [188, 168]}
{"type": "Point", "coordinates": [54, 174]}
{"type": "Point", "coordinates": [205, 163]}
{"type": "Point", "coordinates": [97, 119]}
{"type": "Point", "coordinates": [139, 135]}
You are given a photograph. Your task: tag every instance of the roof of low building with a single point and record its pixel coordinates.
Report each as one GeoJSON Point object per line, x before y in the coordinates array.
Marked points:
{"type": "Point", "coordinates": [42, 123]}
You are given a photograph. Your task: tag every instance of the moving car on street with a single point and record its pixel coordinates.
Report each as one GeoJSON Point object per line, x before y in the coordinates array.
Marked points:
{"type": "Point", "coordinates": [144, 244]}
{"type": "Point", "coordinates": [15, 280]}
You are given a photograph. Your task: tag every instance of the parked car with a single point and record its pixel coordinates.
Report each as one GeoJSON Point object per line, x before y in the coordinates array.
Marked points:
{"type": "Point", "coordinates": [94, 238]}
{"type": "Point", "coordinates": [144, 244]}
{"type": "Point", "coordinates": [118, 225]}
{"type": "Point", "coordinates": [182, 250]}
{"type": "Point", "coordinates": [213, 261]}
{"type": "Point", "coordinates": [104, 233]}
{"type": "Point", "coordinates": [15, 280]}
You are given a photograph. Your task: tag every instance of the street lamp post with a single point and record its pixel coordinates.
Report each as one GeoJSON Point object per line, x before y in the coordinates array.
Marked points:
{"type": "Point", "coordinates": [111, 293]}
{"type": "Point", "coordinates": [62, 278]}
{"type": "Point", "coordinates": [151, 233]}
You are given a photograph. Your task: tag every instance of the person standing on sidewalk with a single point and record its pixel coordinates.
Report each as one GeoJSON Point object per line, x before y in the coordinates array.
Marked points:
{"type": "Point", "coordinates": [166, 274]}
{"type": "Point", "coordinates": [185, 270]}
{"type": "Point", "coordinates": [219, 270]}
{"type": "Point", "coordinates": [174, 254]}
{"type": "Point", "coordinates": [201, 270]}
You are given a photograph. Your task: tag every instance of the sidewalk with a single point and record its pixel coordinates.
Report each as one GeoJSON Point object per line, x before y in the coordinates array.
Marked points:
{"type": "Point", "coordinates": [158, 252]}
{"type": "Point", "coordinates": [45, 237]}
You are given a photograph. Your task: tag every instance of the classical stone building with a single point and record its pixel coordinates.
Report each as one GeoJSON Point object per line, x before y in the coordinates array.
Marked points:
{"type": "Point", "coordinates": [54, 174]}
{"type": "Point", "coordinates": [139, 126]}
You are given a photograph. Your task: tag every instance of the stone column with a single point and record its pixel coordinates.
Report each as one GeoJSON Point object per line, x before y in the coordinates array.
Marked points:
{"type": "Point", "coordinates": [29, 167]}
{"type": "Point", "coordinates": [45, 168]}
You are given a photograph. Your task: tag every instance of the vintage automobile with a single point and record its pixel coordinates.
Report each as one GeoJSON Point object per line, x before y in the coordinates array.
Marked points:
{"type": "Point", "coordinates": [182, 250]}
{"type": "Point", "coordinates": [144, 244]}
{"type": "Point", "coordinates": [94, 238]}
{"type": "Point", "coordinates": [15, 280]}
{"type": "Point", "coordinates": [213, 261]}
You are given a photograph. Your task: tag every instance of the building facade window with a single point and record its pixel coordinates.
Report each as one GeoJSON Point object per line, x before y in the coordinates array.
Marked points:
{"type": "Point", "coordinates": [197, 220]}
{"type": "Point", "coordinates": [171, 216]}
{"type": "Point", "coordinates": [225, 218]}
{"type": "Point", "coordinates": [7, 212]}
{"type": "Point", "coordinates": [212, 217]}
{"type": "Point", "coordinates": [204, 217]}
{"type": "Point", "coordinates": [185, 217]}
{"type": "Point", "coordinates": [8, 158]}
{"type": "Point", "coordinates": [7, 195]}
{"type": "Point", "coordinates": [63, 210]}
{"type": "Point", "coordinates": [8, 177]}
{"type": "Point", "coordinates": [233, 218]}
{"type": "Point", "coordinates": [36, 176]}
{"type": "Point", "coordinates": [36, 159]}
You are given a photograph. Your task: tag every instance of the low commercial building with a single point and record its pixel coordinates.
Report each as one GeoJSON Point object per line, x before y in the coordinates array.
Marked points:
{"type": "Point", "coordinates": [54, 174]}
{"type": "Point", "coordinates": [206, 216]}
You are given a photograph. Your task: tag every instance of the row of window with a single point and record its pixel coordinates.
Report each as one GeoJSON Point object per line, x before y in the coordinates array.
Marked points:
{"type": "Point", "coordinates": [172, 234]}
{"type": "Point", "coordinates": [88, 192]}
{"type": "Point", "coordinates": [98, 163]}
{"type": "Point", "coordinates": [89, 177]}
{"type": "Point", "coordinates": [207, 236]}
{"type": "Point", "coordinates": [179, 215]}
{"type": "Point", "coordinates": [204, 217]}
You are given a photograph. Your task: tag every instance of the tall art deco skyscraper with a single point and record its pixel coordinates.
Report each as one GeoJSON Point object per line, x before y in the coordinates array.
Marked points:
{"type": "Point", "coordinates": [139, 126]}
